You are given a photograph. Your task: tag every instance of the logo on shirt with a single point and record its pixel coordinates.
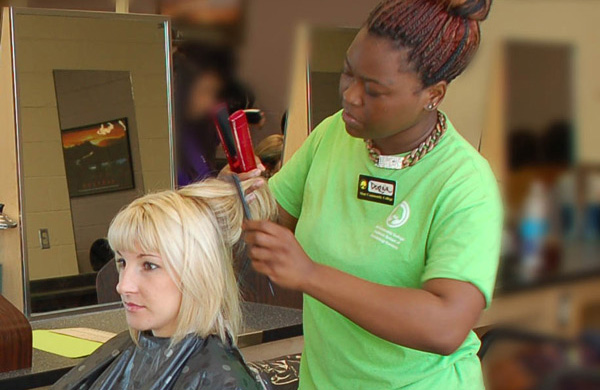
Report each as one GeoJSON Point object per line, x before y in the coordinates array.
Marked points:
{"type": "Point", "coordinates": [399, 215]}
{"type": "Point", "coordinates": [386, 233]}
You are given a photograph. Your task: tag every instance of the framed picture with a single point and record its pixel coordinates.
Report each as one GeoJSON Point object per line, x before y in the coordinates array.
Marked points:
{"type": "Point", "coordinates": [98, 158]}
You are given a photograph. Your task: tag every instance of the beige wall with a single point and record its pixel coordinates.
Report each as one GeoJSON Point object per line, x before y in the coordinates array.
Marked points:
{"type": "Point", "coordinates": [45, 191]}
{"type": "Point", "coordinates": [565, 21]}
{"type": "Point", "coordinates": [83, 44]}
{"type": "Point", "coordinates": [84, 98]}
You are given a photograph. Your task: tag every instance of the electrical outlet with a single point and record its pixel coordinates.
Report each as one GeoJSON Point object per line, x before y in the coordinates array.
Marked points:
{"type": "Point", "coordinates": [44, 239]}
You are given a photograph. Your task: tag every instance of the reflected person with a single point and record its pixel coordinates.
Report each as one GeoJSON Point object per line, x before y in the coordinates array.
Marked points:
{"type": "Point", "coordinates": [201, 77]}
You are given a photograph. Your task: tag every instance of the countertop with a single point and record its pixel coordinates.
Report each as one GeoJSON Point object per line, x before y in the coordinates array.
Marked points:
{"type": "Point", "coordinates": [579, 261]}
{"type": "Point", "coordinates": [262, 323]}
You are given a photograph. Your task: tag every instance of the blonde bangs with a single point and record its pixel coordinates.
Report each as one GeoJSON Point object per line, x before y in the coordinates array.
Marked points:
{"type": "Point", "coordinates": [135, 229]}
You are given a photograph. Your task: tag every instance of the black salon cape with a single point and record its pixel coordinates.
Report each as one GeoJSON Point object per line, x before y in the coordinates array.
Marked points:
{"type": "Point", "coordinates": [194, 363]}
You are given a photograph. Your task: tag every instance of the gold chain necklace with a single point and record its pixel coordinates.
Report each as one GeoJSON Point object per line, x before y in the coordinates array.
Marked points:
{"type": "Point", "coordinates": [396, 162]}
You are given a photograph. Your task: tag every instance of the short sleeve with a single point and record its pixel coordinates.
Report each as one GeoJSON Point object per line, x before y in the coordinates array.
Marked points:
{"type": "Point", "coordinates": [288, 184]}
{"type": "Point", "coordinates": [464, 239]}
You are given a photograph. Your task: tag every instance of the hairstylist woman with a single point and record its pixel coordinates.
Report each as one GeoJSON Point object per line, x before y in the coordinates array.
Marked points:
{"type": "Point", "coordinates": [397, 218]}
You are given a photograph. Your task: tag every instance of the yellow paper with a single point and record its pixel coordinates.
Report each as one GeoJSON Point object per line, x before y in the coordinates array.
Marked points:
{"type": "Point", "coordinates": [63, 345]}
{"type": "Point", "coordinates": [100, 336]}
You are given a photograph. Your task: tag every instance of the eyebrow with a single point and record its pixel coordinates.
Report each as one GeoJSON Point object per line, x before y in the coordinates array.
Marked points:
{"type": "Point", "coordinates": [139, 256]}
{"type": "Point", "coordinates": [365, 78]}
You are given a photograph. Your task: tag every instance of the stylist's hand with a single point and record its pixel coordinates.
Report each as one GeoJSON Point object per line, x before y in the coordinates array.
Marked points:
{"type": "Point", "coordinates": [276, 253]}
{"type": "Point", "coordinates": [260, 168]}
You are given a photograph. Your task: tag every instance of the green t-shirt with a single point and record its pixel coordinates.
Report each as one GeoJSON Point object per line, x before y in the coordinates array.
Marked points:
{"type": "Point", "coordinates": [444, 221]}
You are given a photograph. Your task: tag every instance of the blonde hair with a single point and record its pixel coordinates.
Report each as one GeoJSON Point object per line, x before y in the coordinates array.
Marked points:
{"type": "Point", "coordinates": [271, 147]}
{"type": "Point", "coordinates": [195, 230]}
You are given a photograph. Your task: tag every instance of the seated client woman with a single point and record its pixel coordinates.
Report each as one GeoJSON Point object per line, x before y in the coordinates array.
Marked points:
{"type": "Point", "coordinates": [174, 251]}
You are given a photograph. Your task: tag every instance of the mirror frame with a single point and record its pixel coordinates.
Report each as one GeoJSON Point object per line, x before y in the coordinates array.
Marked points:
{"type": "Point", "coordinates": [13, 12]}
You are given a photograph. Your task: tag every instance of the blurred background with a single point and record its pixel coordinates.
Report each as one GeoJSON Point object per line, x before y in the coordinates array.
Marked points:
{"type": "Point", "coordinates": [529, 102]}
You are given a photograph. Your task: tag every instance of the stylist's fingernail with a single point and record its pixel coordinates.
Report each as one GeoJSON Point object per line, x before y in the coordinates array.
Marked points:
{"type": "Point", "coordinates": [251, 197]}
{"type": "Point", "coordinates": [261, 167]}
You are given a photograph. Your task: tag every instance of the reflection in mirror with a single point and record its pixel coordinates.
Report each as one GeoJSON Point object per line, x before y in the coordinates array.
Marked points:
{"type": "Point", "coordinates": [539, 116]}
{"type": "Point", "coordinates": [95, 131]}
{"type": "Point", "coordinates": [100, 147]}
{"type": "Point", "coordinates": [270, 150]}
{"type": "Point", "coordinates": [543, 210]}
{"type": "Point", "coordinates": [102, 165]}
{"type": "Point", "coordinates": [328, 48]}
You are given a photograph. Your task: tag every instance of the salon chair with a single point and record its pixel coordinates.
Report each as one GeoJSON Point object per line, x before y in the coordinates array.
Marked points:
{"type": "Point", "coordinates": [100, 254]}
{"type": "Point", "coordinates": [106, 283]}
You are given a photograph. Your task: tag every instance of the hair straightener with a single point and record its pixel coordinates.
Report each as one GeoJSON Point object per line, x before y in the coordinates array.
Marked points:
{"type": "Point", "coordinates": [234, 134]}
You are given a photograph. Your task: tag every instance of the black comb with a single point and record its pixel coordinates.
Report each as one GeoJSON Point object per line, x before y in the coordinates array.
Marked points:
{"type": "Point", "coordinates": [240, 191]}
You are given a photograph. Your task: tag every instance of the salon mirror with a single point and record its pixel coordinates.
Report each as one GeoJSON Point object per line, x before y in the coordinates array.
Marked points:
{"type": "Point", "coordinates": [94, 131]}
{"type": "Point", "coordinates": [314, 93]}
{"type": "Point", "coordinates": [540, 132]}
{"type": "Point", "coordinates": [327, 51]}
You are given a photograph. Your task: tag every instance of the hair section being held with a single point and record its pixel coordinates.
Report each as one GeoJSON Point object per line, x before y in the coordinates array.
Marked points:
{"type": "Point", "coordinates": [221, 196]}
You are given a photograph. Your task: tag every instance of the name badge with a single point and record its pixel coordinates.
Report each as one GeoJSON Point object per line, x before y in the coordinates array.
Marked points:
{"type": "Point", "coordinates": [377, 190]}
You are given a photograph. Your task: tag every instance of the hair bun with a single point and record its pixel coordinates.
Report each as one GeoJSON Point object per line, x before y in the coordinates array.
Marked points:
{"type": "Point", "coordinates": [469, 9]}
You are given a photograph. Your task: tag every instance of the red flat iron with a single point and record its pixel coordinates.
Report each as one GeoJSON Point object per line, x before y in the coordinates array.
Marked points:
{"type": "Point", "coordinates": [234, 134]}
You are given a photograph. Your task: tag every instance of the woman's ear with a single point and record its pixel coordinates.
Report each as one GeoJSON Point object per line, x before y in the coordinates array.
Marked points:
{"type": "Point", "coordinates": [436, 94]}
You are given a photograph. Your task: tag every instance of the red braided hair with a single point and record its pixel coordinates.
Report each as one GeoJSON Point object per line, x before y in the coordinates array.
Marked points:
{"type": "Point", "coordinates": [442, 35]}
